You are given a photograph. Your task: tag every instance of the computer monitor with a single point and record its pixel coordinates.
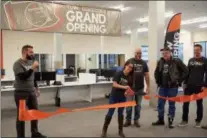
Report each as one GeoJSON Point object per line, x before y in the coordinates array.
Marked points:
{"type": "Point", "coordinates": [49, 76]}
{"type": "Point", "coordinates": [95, 71]}
{"type": "Point", "coordinates": [2, 72]}
{"type": "Point", "coordinates": [68, 71]}
{"type": "Point", "coordinates": [37, 76]}
{"type": "Point", "coordinates": [108, 73]}
{"type": "Point", "coordinates": [60, 71]}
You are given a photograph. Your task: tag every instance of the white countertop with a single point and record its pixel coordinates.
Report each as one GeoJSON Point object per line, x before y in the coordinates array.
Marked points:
{"type": "Point", "coordinates": [66, 84]}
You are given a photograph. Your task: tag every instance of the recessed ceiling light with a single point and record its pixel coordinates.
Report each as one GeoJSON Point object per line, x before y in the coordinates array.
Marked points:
{"type": "Point", "coordinates": [146, 19]}
{"type": "Point", "coordinates": [194, 20]}
{"type": "Point", "coordinates": [203, 26]}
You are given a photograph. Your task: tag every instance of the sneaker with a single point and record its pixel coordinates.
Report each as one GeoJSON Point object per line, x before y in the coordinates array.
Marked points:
{"type": "Point", "coordinates": [38, 135]}
{"type": "Point", "coordinates": [158, 123]}
{"type": "Point", "coordinates": [198, 125]}
{"type": "Point", "coordinates": [127, 123]}
{"type": "Point", "coordinates": [183, 123]}
{"type": "Point", "coordinates": [204, 127]}
{"type": "Point", "coordinates": [136, 123]}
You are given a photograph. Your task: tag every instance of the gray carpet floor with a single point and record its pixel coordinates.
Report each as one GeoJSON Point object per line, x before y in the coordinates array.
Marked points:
{"type": "Point", "coordinates": [89, 123]}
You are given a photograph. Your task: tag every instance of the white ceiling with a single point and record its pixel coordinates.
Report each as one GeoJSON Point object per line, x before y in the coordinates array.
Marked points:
{"type": "Point", "coordinates": [189, 10]}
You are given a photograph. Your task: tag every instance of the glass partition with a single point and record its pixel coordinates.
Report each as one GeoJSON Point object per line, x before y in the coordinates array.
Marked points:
{"type": "Point", "coordinates": [85, 62]}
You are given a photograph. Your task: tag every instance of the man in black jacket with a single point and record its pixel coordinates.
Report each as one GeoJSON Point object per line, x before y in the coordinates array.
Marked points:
{"type": "Point", "coordinates": [195, 83]}
{"type": "Point", "coordinates": [169, 74]}
{"type": "Point", "coordinates": [26, 88]}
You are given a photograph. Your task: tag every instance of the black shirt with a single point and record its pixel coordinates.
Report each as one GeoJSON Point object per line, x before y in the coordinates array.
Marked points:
{"type": "Point", "coordinates": [197, 71]}
{"type": "Point", "coordinates": [140, 68]}
{"type": "Point", "coordinates": [165, 74]}
{"type": "Point", "coordinates": [121, 79]}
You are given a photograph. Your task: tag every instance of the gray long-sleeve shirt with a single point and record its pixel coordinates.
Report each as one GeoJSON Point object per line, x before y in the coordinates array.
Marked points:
{"type": "Point", "coordinates": [24, 76]}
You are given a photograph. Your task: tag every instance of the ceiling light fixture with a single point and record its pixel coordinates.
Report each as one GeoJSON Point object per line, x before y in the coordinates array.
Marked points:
{"type": "Point", "coordinates": [121, 7]}
{"type": "Point", "coordinates": [128, 32]}
{"type": "Point", "coordinates": [194, 20]}
{"type": "Point", "coordinates": [203, 26]}
{"type": "Point", "coordinates": [146, 19]}
{"type": "Point", "coordinates": [142, 30]}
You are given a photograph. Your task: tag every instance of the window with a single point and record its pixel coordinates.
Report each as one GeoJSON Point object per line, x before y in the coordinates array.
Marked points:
{"type": "Point", "coordinates": [180, 51]}
{"type": "Point", "coordinates": [45, 62]}
{"type": "Point", "coordinates": [144, 52]}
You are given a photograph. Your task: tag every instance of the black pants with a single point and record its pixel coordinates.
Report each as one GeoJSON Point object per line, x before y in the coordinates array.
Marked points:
{"type": "Point", "coordinates": [189, 91]}
{"type": "Point", "coordinates": [31, 103]}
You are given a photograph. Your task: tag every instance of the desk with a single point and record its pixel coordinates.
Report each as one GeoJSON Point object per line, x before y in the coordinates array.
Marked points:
{"type": "Point", "coordinates": [69, 91]}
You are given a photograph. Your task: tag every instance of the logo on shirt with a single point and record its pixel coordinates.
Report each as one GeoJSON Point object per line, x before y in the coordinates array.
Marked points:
{"type": "Point", "coordinates": [196, 63]}
{"type": "Point", "coordinates": [138, 68]}
{"type": "Point", "coordinates": [27, 67]}
{"type": "Point", "coordinates": [123, 81]}
{"type": "Point", "coordinates": [166, 68]}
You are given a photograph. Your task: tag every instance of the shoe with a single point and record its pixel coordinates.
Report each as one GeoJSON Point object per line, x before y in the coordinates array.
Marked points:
{"type": "Point", "coordinates": [183, 124]}
{"type": "Point", "coordinates": [120, 122]}
{"type": "Point", "coordinates": [136, 123]}
{"type": "Point", "coordinates": [158, 123]}
{"type": "Point", "coordinates": [127, 123]}
{"type": "Point", "coordinates": [105, 126]}
{"type": "Point", "coordinates": [198, 125]}
{"type": "Point", "coordinates": [204, 127]}
{"type": "Point", "coordinates": [170, 122]}
{"type": "Point", "coordinates": [38, 135]}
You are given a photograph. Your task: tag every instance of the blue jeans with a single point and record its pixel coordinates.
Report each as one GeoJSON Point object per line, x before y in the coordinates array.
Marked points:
{"type": "Point", "coordinates": [137, 108]}
{"type": "Point", "coordinates": [166, 92]}
{"type": "Point", "coordinates": [113, 100]}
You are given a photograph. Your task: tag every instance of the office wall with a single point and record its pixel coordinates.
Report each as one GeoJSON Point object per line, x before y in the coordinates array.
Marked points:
{"type": "Point", "coordinates": [44, 43]}
{"type": "Point", "coordinates": [200, 36]}
{"type": "Point", "coordinates": [13, 42]}
{"type": "Point", "coordinates": [187, 40]}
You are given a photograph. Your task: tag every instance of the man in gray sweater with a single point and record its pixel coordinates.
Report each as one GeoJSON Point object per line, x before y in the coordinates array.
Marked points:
{"type": "Point", "coordinates": [26, 88]}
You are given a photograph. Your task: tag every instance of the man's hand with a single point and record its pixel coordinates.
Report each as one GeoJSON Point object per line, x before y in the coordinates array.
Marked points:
{"type": "Point", "coordinates": [35, 65]}
{"type": "Point", "coordinates": [147, 90]}
{"type": "Point", "coordinates": [126, 87]}
{"type": "Point", "coordinates": [37, 92]}
{"type": "Point", "coordinates": [203, 88]}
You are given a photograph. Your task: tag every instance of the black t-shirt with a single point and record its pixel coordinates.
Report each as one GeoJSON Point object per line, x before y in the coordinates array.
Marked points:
{"type": "Point", "coordinates": [197, 69]}
{"type": "Point", "coordinates": [165, 74]}
{"type": "Point", "coordinates": [121, 79]}
{"type": "Point", "coordinates": [140, 68]}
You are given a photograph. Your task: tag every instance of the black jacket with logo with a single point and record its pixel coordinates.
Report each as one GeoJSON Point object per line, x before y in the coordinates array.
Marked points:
{"type": "Point", "coordinates": [178, 72]}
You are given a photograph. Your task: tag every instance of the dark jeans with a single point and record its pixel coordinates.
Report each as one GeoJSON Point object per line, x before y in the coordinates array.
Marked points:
{"type": "Point", "coordinates": [189, 91]}
{"type": "Point", "coordinates": [113, 100]}
{"type": "Point", "coordinates": [31, 103]}
{"type": "Point", "coordinates": [166, 92]}
{"type": "Point", "coordinates": [137, 108]}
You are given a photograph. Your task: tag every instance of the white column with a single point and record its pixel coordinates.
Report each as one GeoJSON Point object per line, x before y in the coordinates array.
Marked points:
{"type": "Point", "coordinates": [134, 43]}
{"type": "Point", "coordinates": [187, 39]}
{"type": "Point", "coordinates": [156, 40]}
{"type": "Point", "coordinates": [58, 46]}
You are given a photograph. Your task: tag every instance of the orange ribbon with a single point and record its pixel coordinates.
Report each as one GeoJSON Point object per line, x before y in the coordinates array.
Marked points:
{"type": "Point", "coordinates": [28, 115]}
{"type": "Point", "coordinates": [182, 98]}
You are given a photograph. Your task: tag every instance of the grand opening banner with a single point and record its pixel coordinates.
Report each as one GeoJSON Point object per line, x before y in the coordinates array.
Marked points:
{"type": "Point", "coordinates": [52, 17]}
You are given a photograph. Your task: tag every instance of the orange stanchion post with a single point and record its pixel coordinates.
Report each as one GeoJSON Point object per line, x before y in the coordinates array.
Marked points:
{"type": "Point", "coordinates": [22, 109]}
